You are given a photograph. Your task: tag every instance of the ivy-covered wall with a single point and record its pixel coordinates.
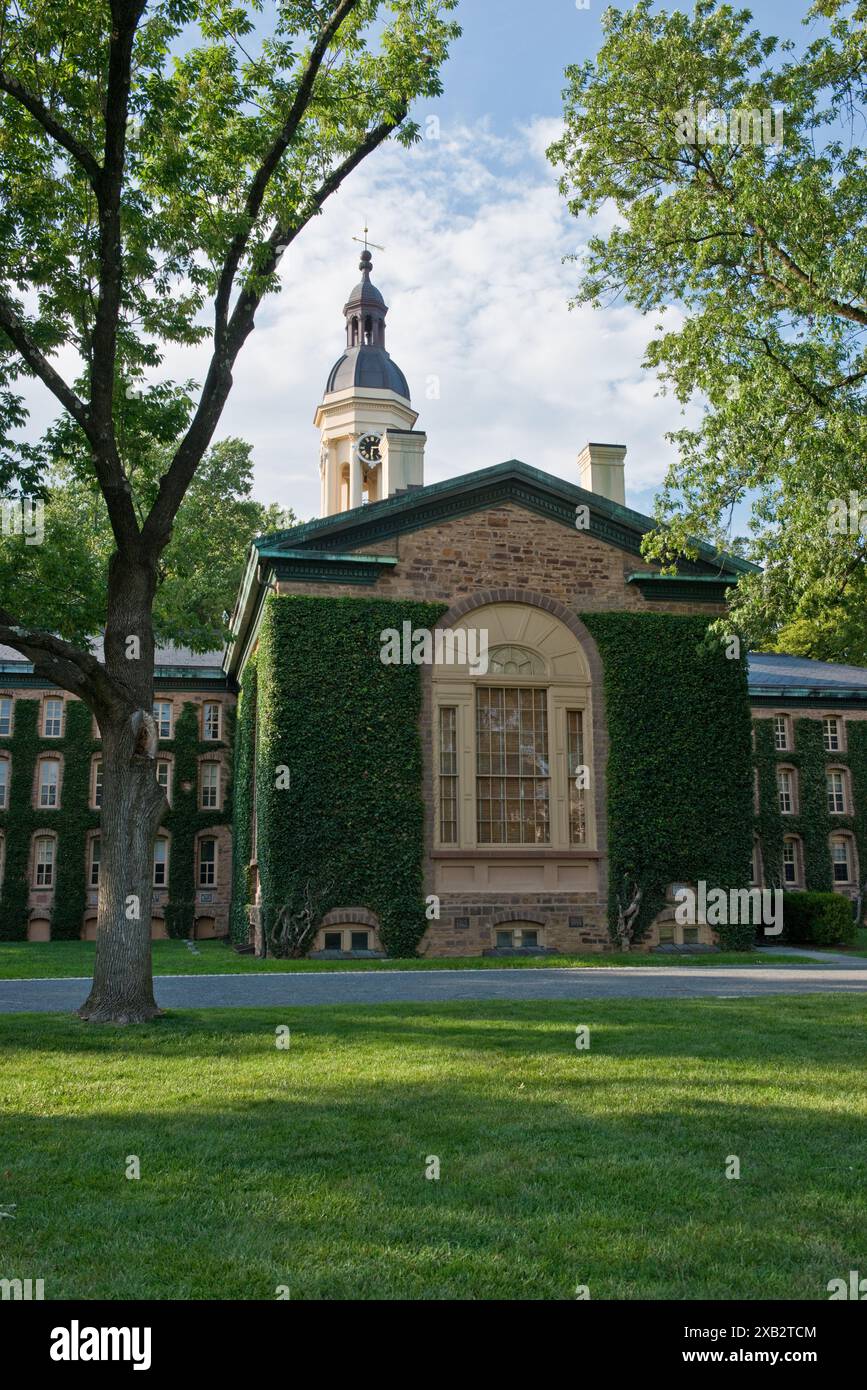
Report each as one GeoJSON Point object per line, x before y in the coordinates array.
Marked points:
{"type": "Point", "coordinates": [813, 822]}
{"type": "Point", "coordinates": [74, 818]}
{"type": "Point", "coordinates": [345, 727]}
{"type": "Point", "coordinates": [185, 819]}
{"type": "Point", "coordinates": [680, 761]}
{"type": "Point", "coordinates": [242, 822]}
{"type": "Point", "coordinates": [70, 821]}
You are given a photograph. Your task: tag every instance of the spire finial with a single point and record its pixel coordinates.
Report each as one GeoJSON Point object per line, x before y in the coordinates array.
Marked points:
{"type": "Point", "coordinates": [366, 262]}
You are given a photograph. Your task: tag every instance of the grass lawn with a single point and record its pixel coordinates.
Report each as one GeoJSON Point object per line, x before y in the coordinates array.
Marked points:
{"type": "Point", "coordinates": [20, 960]}
{"type": "Point", "coordinates": [305, 1167]}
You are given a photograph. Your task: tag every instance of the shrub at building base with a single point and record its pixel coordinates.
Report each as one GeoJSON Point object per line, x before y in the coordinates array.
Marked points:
{"type": "Point", "coordinates": [822, 919]}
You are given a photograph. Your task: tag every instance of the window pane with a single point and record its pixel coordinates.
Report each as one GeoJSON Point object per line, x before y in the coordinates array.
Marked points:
{"type": "Point", "coordinates": [5, 717]}
{"type": "Point", "coordinates": [512, 782]}
{"type": "Point", "coordinates": [333, 941]}
{"type": "Point", "coordinates": [359, 941]}
{"type": "Point", "coordinates": [577, 810]}
{"type": "Point", "coordinates": [448, 777]}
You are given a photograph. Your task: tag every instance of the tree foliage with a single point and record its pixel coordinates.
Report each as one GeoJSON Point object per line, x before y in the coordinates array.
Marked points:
{"type": "Point", "coordinates": [751, 256]}
{"type": "Point", "coordinates": [61, 583]}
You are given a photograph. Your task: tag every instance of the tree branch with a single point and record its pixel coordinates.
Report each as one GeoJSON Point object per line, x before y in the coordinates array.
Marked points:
{"type": "Point", "coordinates": [173, 484]}
{"type": "Point", "coordinates": [40, 112]}
{"type": "Point", "coordinates": [125, 16]}
{"type": "Point", "coordinates": [265, 172]}
{"type": "Point", "coordinates": [16, 330]}
{"type": "Point", "coordinates": [62, 663]}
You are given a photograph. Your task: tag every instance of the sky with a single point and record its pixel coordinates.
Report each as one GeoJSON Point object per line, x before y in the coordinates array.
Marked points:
{"type": "Point", "coordinates": [475, 235]}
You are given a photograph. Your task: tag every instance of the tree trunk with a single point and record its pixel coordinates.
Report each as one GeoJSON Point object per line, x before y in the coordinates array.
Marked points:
{"type": "Point", "coordinates": [133, 805]}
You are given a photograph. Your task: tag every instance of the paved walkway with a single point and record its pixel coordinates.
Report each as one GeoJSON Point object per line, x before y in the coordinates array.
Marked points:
{"type": "Point", "coordinates": [435, 986]}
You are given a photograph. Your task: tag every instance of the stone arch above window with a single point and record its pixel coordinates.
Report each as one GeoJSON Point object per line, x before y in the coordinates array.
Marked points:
{"type": "Point", "coordinates": [498, 627]}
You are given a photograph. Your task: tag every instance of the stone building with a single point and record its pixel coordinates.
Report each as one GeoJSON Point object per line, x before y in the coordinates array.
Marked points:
{"type": "Point", "coordinates": [514, 813]}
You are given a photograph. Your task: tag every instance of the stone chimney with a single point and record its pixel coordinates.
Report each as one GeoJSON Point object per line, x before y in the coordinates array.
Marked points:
{"type": "Point", "coordinates": [402, 453]}
{"type": "Point", "coordinates": [601, 471]}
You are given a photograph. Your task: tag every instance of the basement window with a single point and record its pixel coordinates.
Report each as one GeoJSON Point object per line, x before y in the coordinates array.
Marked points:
{"type": "Point", "coordinates": [359, 940]}
{"type": "Point", "coordinates": [333, 941]}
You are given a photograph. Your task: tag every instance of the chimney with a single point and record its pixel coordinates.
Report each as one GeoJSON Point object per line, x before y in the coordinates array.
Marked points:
{"type": "Point", "coordinates": [601, 471]}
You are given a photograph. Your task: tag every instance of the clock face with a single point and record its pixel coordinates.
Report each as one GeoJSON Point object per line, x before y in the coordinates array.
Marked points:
{"type": "Point", "coordinates": [368, 449]}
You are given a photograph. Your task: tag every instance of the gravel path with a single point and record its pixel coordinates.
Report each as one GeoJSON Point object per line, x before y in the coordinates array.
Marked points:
{"type": "Point", "coordinates": [430, 986]}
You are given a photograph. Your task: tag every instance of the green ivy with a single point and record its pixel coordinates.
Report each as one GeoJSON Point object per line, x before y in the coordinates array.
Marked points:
{"type": "Point", "coordinates": [185, 819]}
{"type": "Point", "coordinates": [351, 823]}
{"type": "Point", "coordinates": [679, 766]}
{"type": "Point", "coordinates": [71, 821]}
{"type": "Point", "coordinates": [813, 822]}
{"type": "Point", "coordinates": [242, 821]}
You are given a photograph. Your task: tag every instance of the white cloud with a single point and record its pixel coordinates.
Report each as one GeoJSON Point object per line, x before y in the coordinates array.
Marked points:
{"type": "Point", "coordinates": [475, 234]}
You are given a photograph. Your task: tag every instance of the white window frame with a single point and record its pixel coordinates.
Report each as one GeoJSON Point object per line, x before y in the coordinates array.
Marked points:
{"type": "Point", "coordinates": [832, 775]}
{"type": "Point", "coordinates": [49, 862]}
{"type": "Point", "coordinates": [846, 842]}
{"type": "Point", "coordinates": [93, 861]}
{"type": "Point", "coordinates": [209, 786]}
{"type": "Point", "coordinates": [781, 730]}
{"type": "Point", "coordinates": [203, 863]}
{"type": "Point", "coordinates": [211, 707]}
{"type": "Point", "coordinates": [793, 843]}
{"type": "Point", "coordinates": [167, 786]}
{"type": "Point", "coordinates": [786, 792]}
{"type": "Point", "coordinates": [6, 701]}
{"type": "Point", "coordinates": [96, 784]}
{"type": "Point", "coordinates": [158, 707]}
{"type": "Point", "coordinates": [52, 719]}
{"type": "Point", "coordinates": [827, 736]}
{"type": "Point", "coordinates": [48, 792]}
{"type": "Point", "coordinates": [163, 863]}
{"type": "Point", "coordinates": [5, 782]}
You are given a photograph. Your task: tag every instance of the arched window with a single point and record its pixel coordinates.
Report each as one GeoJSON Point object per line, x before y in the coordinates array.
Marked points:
{"type": "Point", "coordinates": [207, 862]}
{"type": "Point", "coordinates": [44, 857]}
{"type": "Point", "coordinates": [793, 859]}
{"type": "Point", "coordinates": [94, 860]}
{"type": "Point", "coordinates": [209, 786]}
{"type": "Point", "coordinates": [161, 861]}
{"type": "Point", "coordinates": [837, 785]}
{"type": "Point", "coordinates": [164, 776]}
{"type": "Point", "coordinates": [52, 718]}
{"type": "Point", "coordinates": [787, 790]}
{"type": "Point", "coordinates": [48, 783]}
{"type": "Point", "coordinates": [843, 866]}
{"type": "Point", "coordinates": [96, 783]}
{"type": "Point", "coordinates": [514, 736]}
{"type": "Point", "coordinates": [353, 340]}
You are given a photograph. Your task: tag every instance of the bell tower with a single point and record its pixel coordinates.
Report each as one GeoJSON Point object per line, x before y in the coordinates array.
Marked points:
{"type": "Point", "coordinates": [369, 449]}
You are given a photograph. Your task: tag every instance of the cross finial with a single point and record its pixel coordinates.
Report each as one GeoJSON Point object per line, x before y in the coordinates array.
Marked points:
{"type": "Point", "coordinates": [367, 244]}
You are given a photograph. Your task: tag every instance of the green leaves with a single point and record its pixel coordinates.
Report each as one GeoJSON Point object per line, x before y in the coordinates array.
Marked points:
{"type": "Point", "coordinates": [761, 247]}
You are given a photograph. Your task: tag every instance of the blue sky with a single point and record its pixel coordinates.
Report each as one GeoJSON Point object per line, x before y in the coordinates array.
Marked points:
{"type": "Point", "coordinates": [473, 271]}
{"type": "Point", "coordinates": [475, 234]}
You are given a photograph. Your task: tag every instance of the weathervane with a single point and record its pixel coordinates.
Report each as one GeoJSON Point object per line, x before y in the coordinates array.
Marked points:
{"type": "Point", "coordinates": [367, 244]}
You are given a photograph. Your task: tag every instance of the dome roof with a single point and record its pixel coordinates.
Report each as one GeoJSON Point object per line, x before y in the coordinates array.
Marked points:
{"type": "Point", "coordinates": [370, 367]}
